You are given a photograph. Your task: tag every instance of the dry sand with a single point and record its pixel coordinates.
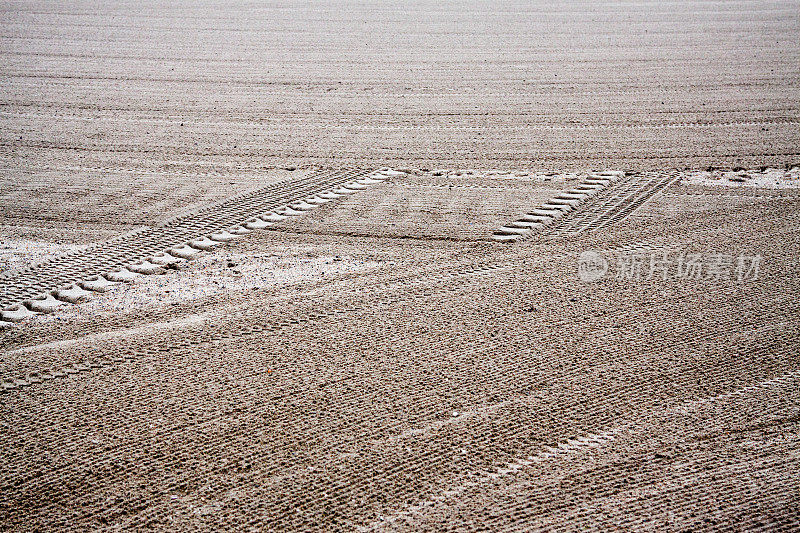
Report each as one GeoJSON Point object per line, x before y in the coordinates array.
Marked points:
{"type": "Point", "coordinates": [214, 89]}
{"type": "Point", "coordinates": [412, 387]}
{"type": "Point", "coordinates": [377, 362]}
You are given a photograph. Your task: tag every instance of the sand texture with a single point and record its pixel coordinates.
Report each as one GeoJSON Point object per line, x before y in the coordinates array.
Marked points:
{"type": "Point", "coordinates": [421, 266]}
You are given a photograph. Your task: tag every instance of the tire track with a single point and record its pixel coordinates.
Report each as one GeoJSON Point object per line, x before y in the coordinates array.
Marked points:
{"type": "Point", "coordinates": [613, 204]}
{"type": "Point", "coordinates": [222, 221]}
{"type": "Point", "coordinates": [555, 208]}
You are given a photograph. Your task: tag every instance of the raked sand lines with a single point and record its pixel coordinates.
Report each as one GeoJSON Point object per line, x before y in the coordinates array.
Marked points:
{"type": "Point", "coordinates": [570, 448]}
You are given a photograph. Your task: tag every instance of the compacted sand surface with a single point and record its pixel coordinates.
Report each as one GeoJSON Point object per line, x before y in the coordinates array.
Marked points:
{"type": "Point", "coordinates": [420, 383]}
{"type": "Point", "coordinates": [430, 266]}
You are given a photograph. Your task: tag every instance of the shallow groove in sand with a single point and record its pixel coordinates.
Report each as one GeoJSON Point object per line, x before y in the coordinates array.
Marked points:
{"type": "Point", "coordinates": [582, 444]}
